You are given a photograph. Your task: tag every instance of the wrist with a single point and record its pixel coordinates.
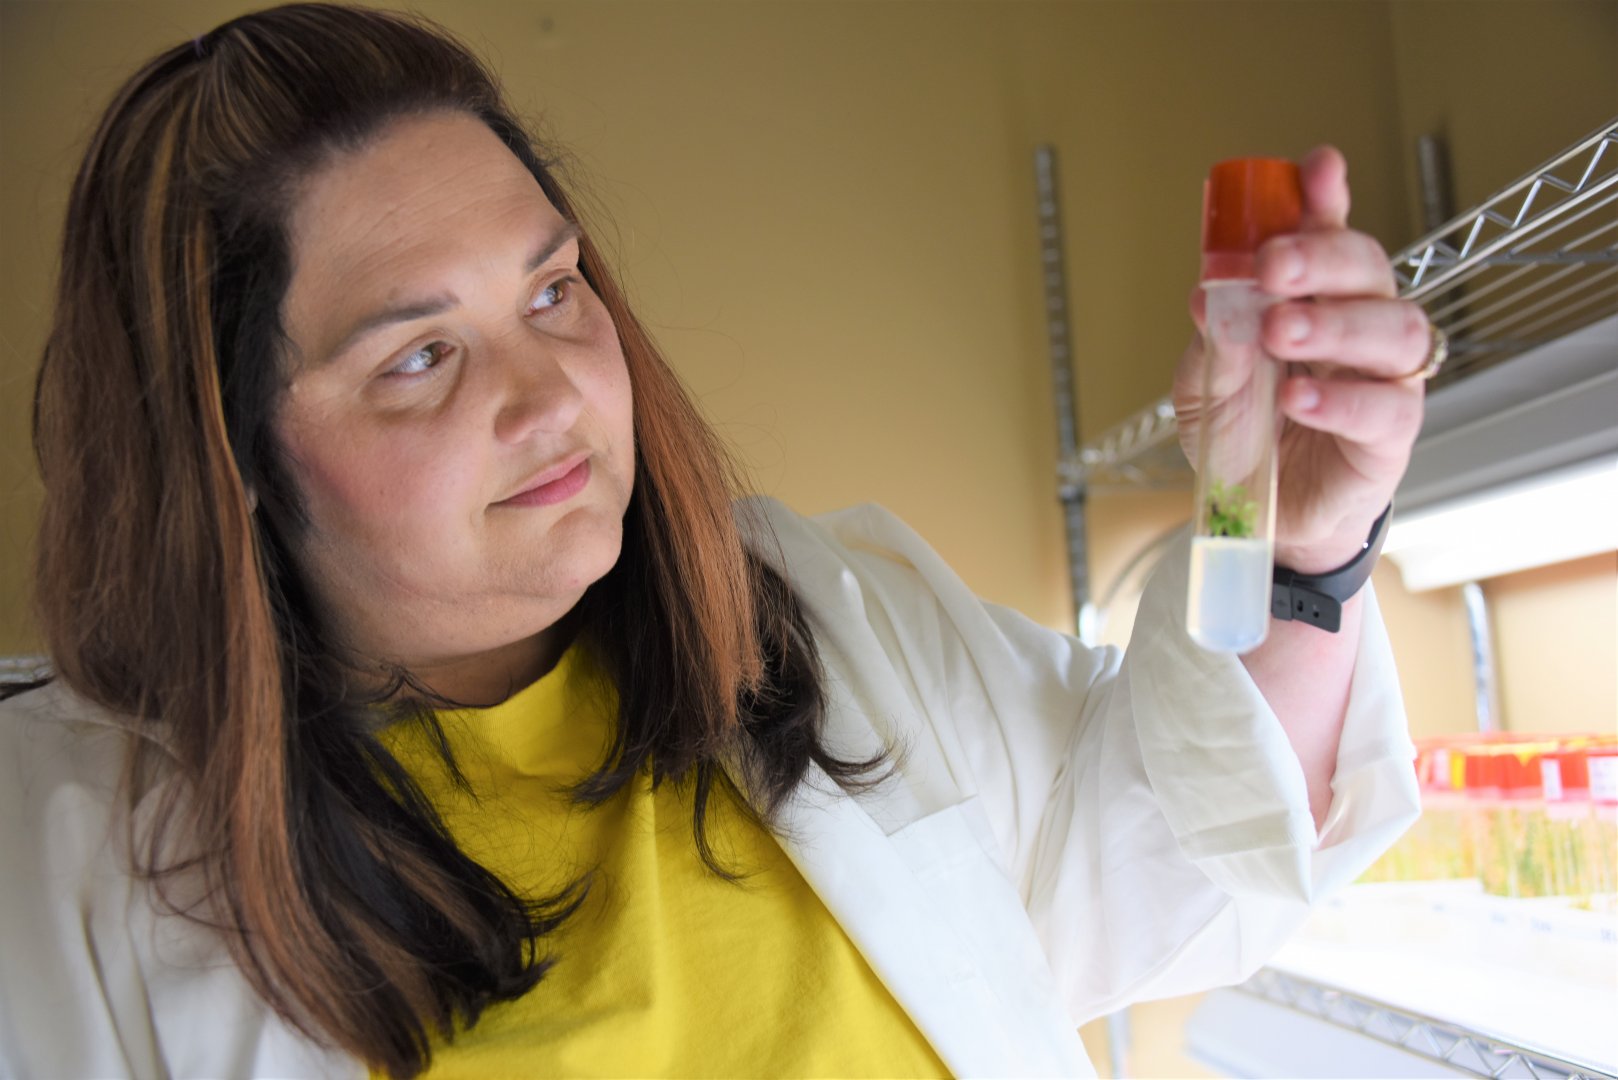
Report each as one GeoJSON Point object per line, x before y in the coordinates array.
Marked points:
{"type": "Point", "coordinates": [1319, 597]}
{"type": "Point", "coordinates": [1319, 558]}
{"type": "Point", "coordinates": [1324, 554]}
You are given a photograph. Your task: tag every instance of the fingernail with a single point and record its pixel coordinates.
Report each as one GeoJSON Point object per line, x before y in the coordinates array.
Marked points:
{"type": "Point", "coordinates": [1306, 396]}
{"type": "Point", "coordinates": [1295, 326]}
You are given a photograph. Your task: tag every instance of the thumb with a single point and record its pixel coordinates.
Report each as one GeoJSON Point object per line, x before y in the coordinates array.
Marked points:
{"type": "Point", "coordinates": [1324, 176]}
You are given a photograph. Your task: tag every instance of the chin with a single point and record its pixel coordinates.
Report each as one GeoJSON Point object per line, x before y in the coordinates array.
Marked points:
{"type": "Point", "coordinates": [581, 548]}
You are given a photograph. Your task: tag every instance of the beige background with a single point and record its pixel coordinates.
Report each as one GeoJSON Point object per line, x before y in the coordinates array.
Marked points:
{"type": "Point", "coordinates": [825, 211]}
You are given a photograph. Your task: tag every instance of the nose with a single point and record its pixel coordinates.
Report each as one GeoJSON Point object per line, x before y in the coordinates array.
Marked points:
{"type": "Point", "coordinates": [538, 394]}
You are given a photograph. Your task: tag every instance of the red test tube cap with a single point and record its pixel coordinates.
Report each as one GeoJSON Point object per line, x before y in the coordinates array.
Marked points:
{"type": "Point", "coordinates": [1245, 201]}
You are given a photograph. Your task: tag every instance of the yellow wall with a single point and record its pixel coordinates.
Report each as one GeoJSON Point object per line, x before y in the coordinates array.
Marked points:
{"type": "Point", "coordinates": [1556, 634]}
{"type": "Point", "coordinates": [1510, 85]}
{"type": "Point", "coordinates": [1555, 638]}
{"type": "Point", "coordinates": [1432, 646]}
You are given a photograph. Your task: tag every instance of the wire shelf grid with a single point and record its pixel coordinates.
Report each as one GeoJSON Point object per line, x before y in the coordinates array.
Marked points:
{"type": "Point", "coordinates": [1536, 261]}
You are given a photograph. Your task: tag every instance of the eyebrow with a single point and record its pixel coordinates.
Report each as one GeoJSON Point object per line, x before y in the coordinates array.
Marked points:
{"type": "Point", "coordinates": [436, 305]}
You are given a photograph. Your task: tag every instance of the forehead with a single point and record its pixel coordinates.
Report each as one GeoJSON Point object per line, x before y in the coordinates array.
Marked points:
{"type": "Point", "coordinates": [426, 195]}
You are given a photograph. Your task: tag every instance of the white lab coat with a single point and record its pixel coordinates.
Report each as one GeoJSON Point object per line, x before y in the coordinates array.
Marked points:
{"type": "Point", "coordinates": [1073, 830]}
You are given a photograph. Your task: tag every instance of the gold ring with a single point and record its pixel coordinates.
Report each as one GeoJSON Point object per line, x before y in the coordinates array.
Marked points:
{"type": "Point", "coordinates": [1437, 353]}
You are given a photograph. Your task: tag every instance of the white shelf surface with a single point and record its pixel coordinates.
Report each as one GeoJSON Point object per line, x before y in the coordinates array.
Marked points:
{"type": "Point", "coordinates": [1537, 973]}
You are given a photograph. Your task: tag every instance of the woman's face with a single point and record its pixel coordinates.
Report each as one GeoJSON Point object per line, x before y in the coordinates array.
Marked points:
{"type": "Point", "coordinates": [457, 413]}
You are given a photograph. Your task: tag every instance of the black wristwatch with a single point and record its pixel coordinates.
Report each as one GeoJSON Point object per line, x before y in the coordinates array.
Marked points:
{"type": "Point", "coordinates": [1318, 599]}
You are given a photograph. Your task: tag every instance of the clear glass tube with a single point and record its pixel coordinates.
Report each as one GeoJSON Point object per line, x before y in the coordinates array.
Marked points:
{"type": "Point", "coordinates": [1233, 545]}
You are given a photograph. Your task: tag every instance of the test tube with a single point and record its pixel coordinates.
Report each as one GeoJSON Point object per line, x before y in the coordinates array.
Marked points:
{"type": "Point", "coordinates": [1245, 202]}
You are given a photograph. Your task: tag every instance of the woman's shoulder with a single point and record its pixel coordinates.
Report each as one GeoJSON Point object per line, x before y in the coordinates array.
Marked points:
{"type": "Point", "coordinates": [62, 793]}
{"type": "Point", "coordinates": [861, 557]}
{"type": "Point", "coordinates": [52, 739]}
{"type": "Point", "coordinates": [64, 797]}
{"type": "Point", "coordinates": [99, 979]}
{"type": "Point", "coordinates": [851, 539]}
{"type": "Point", "coordinates": [868, 579]}
{"type": "Point", "coordinates": [755, 511]}
{"type": "Point", "coordinates": [63, 891]}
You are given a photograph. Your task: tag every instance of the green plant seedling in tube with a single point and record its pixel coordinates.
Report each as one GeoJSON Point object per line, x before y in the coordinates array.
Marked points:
{"type": "Point", "coordinates": [1245, 203]}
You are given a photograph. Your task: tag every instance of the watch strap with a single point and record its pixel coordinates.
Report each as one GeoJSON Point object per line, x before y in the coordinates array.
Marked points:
{"type": "Point", "coordinates": [1318, 599]}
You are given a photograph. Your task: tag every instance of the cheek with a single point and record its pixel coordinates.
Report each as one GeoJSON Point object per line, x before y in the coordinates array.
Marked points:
{"type": "Point", "coordinates": [620, 398]}
{"type": "Point", "coordinates": [389, 487]}
{"type": "Point", "coordinates": [614, 397]}
{"type": "Point", "coordinates": [615, 407]}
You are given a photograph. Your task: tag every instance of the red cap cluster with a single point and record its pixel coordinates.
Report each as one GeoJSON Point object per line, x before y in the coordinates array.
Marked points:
{"type": "Point", "coordinates": [1518, 766]}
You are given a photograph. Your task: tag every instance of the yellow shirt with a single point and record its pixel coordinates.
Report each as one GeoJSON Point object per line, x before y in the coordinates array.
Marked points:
{"type": "Point", "coordinates": [666, 970]}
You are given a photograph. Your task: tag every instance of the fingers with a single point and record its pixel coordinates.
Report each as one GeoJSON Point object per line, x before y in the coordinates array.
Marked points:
{"type": "Point", "coordinates": [1332, 262]}
{"type": "Point", "coordinates": [1186, 386]}
{"type": "Point", "coordinates": [1382, 418]}
{"type": "Point", "coordinates": [1351, 317]}
{"type": "Point", "coordinates": [1382, 339]}
{"type": "Point", "coordinates": [1323, 173]}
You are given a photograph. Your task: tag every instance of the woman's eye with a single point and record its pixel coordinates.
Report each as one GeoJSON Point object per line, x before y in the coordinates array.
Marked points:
{"type": "Point", "coordinates": [419, 362]}
{"type": "Point", "coordinates": [553, 295]}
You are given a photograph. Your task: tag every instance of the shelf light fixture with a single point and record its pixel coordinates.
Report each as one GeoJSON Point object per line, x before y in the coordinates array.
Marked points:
{"type": "Point", "coordinates": [1569, 513]}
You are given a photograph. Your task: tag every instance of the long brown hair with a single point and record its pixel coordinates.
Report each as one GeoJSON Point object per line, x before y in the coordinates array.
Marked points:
{"type": "Point", "coordinates": [164, 595]}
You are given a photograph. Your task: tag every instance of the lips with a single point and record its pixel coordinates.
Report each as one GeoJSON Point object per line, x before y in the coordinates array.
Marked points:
{"type": "Point", "coordinates": [535, 484]}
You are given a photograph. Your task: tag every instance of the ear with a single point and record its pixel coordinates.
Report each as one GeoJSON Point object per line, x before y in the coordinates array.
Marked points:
{"type": "Point", "coordinates": [252, 499]}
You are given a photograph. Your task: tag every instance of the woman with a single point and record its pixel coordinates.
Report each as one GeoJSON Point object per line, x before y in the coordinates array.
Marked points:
{"type": "Point", "coordinates": [387, 574]}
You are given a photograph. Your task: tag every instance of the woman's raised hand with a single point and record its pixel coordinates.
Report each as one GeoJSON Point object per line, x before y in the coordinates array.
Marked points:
{"type": "Point", "coordinates": [1352, 395]}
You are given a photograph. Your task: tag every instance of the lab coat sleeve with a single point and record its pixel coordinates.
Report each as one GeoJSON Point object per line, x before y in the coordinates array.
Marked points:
{"type": "Point", "coordinates": [1148, 806]}
{"type": "Point", "coordinates": [1182, 807]}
